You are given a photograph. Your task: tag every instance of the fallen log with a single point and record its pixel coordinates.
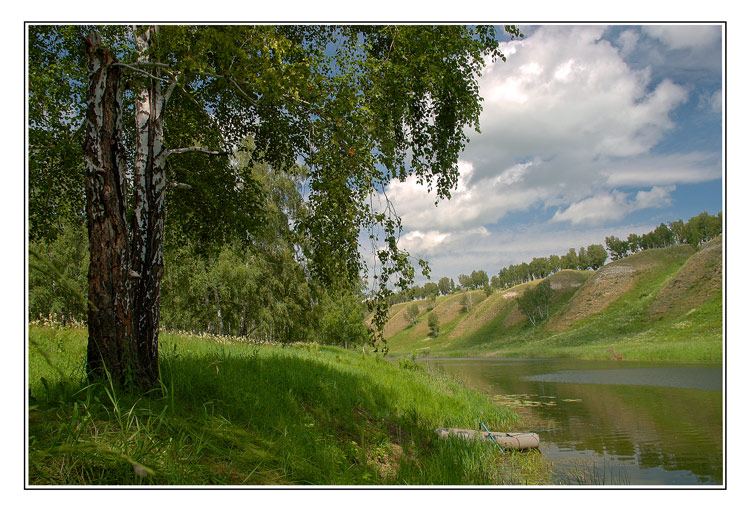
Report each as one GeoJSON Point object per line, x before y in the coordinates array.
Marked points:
{"type": "Point", "coordinates": [508, 440]}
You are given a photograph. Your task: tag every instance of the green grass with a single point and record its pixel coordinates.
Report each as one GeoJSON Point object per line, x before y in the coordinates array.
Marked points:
{"type": "Point", "coordinates": [626, 327]}
{"type": "Point", "coordinates": [234, 414]}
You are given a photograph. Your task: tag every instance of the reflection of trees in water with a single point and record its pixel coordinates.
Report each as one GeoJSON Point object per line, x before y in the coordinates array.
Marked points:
{"type": "Point", "coordinates": [668, 428]}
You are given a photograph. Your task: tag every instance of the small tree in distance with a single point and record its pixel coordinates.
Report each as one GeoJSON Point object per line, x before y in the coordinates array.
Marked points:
{"type": "Point", "coordinates": [434, 324]}
{"type": "Point", "coordinates": [534, 302]}
{"type": "Point", "coordinates": [466, 302]}
{"type": "Point", "coordinates": [412, 313]}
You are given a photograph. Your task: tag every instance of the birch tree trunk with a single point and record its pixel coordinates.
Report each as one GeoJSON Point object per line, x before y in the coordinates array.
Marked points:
{"type": "Point", "coordinates": [220, 322]}
{"type": "Point", "coordinates": [147, 255]}
{"type": "Point", "coordinates": [109, 320]}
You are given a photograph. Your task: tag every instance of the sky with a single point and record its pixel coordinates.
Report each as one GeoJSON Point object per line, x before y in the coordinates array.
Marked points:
{"type": "Point", "coordinates": [586, 131]}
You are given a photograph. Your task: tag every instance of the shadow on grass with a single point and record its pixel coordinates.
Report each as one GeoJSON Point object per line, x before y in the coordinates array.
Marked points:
{"type": "Point", "coordinates": [279, 416]}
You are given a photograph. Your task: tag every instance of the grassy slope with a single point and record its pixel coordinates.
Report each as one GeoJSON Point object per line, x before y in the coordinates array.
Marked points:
{"type": "Point", "coordinates": [240, 414]}
{"type": "Point", "coordinates": [661, 304]}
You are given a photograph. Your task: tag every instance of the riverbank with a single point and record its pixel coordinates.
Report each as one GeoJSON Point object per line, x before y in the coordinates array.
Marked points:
{"type": "Point", "coordinates": [238, 414]}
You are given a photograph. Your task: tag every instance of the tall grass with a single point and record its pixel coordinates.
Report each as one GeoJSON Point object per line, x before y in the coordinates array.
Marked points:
{"type": "Point", "coordinates": [233, 414]}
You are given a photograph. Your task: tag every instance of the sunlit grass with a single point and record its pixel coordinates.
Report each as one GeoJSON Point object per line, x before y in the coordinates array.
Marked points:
{"type": "Point", "coordinates": [232, 413]}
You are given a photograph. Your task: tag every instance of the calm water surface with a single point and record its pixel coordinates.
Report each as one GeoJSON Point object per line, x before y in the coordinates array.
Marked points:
{"type": "Point", "coordinates": [623, 422]}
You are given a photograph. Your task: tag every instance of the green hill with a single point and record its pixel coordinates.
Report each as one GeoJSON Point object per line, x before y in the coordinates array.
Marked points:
{"type": "Point", "coordinates": [659, 304]}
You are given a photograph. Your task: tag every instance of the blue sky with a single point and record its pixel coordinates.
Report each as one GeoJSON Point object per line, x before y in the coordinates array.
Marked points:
{"type": "Point", "coordinates": [587, 131]}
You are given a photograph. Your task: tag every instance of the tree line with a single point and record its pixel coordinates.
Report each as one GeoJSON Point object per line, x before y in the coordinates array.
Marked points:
{"type": "Point", "coordinates": [696, 231]}
{"type": "Point", "coordinates": [591, 257]}
{"type": "Point", "coordinates": [258, 288]}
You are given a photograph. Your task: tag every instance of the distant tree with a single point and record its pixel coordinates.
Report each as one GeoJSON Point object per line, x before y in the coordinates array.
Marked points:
{"type": "Point", "coordinates": [678, 230]}
{"type": "Point", "coordinates": [570, 260]}
{"type": "Point", "coordinates": [444, 286]}
{"type": "Point", "coordinates": [703, 228]}
{"type": "Point", "coordinates": [534, 302]}
{"type": "Point", "coordinates": [479, 279]}
{"type": "Point", "coordinates": [663, 236]}
{"type": "Point", "coordinates": [649, 240]}
{"type": "Point", "coordinates": [431, 302]}
{"type": "Point", "coordinates": [431, 289]}
{"type": "Point", "coordinates": [617, 248]}
{"type": "Point", "coordinates": [58, 282]}
{"type": "Point", "coordinates": [434, 324]}
{"type": "Point", "coordinates": [412, 313]}
{"type": "Point", "coordinates": [465, 281]}
{"type": "Point", "coordinates": [539, 267]}
{"type": "Point", "coordinates": [555, 264]}
{"type": "Point", "coordinates": [596, 255]}
{"type": "Point", "coordinates": [466, 302]}
{"type": "Point", "coordinates": [524, 272]}
{"type": "Point", "coordinates": [342, 321]}
{"type": "Point", "coordinates": [496, 282]}
{"type": "Point", "coordinates": [583, 262]}
{"type": "Point", "coordinates": [634, 243]}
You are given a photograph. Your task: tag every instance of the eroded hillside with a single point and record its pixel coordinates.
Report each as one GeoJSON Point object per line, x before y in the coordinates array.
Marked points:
{"type": "Point", "coordinates": [638, 306]}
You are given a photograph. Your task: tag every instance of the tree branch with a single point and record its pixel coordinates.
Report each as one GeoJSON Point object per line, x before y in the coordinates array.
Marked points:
{"type": "Point", "coordinates": [141, 71]}
{"type": "Point", "coordinates": [181, 150]}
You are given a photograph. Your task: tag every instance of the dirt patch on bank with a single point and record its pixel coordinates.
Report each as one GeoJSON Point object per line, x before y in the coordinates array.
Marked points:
{"type": "Point", "coordinates": [698, 280]}
{"type": "Point", "coordinates": [398, 321]}
{"type": "Point", "coordinates": [603, 288]}
{"type": "Point", "coordinates": [480, 314]}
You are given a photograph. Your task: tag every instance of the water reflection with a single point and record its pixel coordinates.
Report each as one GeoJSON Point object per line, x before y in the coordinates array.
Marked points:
{"type": "Point", "coordinates": [648, 423]}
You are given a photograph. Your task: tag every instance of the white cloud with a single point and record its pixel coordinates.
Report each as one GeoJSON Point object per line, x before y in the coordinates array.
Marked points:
{"type": "Point", "coordinates": [473, 204]}
{"type": "Point", "coordinates": [680, 37]}
{"type": "Point", "coordinates": [627, 41]}
{"type": "Point", "coordinates": [565, 96]}
{"type": "Point", "coordinates": [613, 206]}
{"type": "Point", "coordinates": [435, 242]}
{"type": "Point", "coordinates": [670, 169]}
{"type": "Point", "coordinates": [567, 126]}
{"type": "Point", "coordinates": [562, 119]}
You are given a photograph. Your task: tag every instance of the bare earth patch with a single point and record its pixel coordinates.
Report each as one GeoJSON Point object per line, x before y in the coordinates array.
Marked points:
{"type": "Point", "coordinates": [603, 288]}
{"type": "Point", "coordinates": [696, 282]}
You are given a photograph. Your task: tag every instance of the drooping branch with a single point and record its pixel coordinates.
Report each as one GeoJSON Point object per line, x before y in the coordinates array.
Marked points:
{"type": "Point", "coordinates": [181, 150]}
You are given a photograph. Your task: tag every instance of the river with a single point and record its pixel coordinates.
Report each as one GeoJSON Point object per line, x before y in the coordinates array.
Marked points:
{"type": "Point", "coordinates": [612, 422]}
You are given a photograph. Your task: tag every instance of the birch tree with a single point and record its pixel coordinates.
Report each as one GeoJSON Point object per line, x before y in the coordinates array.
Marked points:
{"type": "Point", "coordinates": [358, 105]}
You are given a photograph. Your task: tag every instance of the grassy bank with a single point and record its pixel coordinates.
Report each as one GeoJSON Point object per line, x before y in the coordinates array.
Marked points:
{"type": "Point", "coordinates": [234, 414]}
{"type": "Point", "coordinates": [660, 305]}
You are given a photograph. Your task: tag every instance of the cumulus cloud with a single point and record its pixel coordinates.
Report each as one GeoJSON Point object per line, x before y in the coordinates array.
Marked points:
{"type": "Point", "coordinates": [627, 41]}
{"type": "Point", "coordinates": [570, 130]}
{"type": "Point", "coordinates": [613, 206]}
{"type": "Point", "coordinates": [473, 204]}
{"type": "Point", "coordinates": [565, 90]}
